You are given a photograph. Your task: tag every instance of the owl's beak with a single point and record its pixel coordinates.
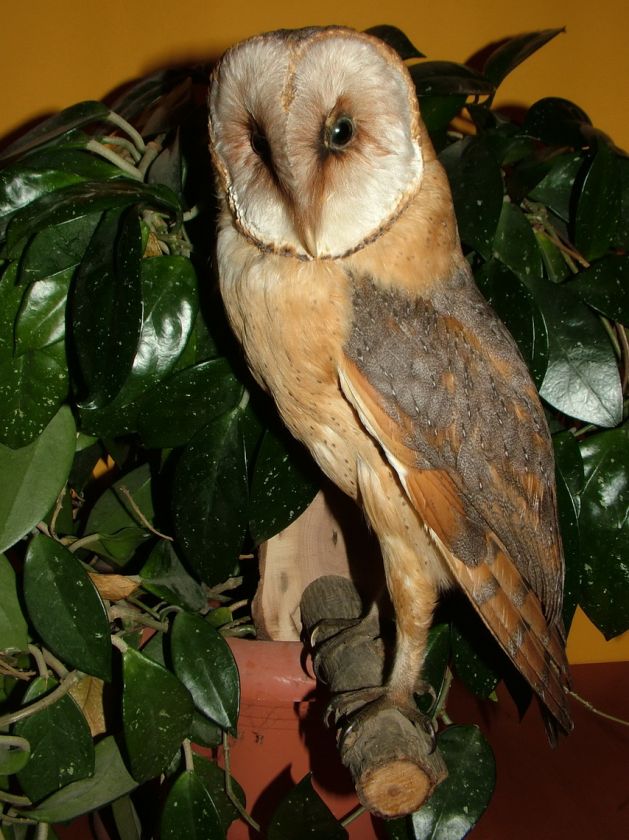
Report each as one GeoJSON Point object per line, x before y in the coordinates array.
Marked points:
{"type": "Point", "coordinates": [306, 225]}
{"type": "Point", "coordinates": [309, 241]}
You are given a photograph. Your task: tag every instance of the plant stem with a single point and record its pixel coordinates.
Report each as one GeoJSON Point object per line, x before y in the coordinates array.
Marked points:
{"type": "Point", "coordinates": [42, 831]}
{"type": "Point", "coordinates": [38, 656]}
{"type": "Point", "coordinates": [140, 516]}
{"type": "Point", "coordinates": [43, 703]}
{"type": "Point", "coordinates": [358, 811]}
{"type": "Point", "coordinates": [102, 151]}
{"type": "Point", "coordinates": [83, 542]}
{"type": "Point", "coordinates": [55, 513]}
{"type": "Point", "coordinates": [187, 753]}
{"type": "Point", "coordinates": [12, 799]}
{"type": "Point", "coordinates": [133, 614]}
{"type": "Point", "coordinates": [112, 140]}
{"type": "Point", "coordinates": [120, 644]}
{"type": "Point", "coordinates": [151, 151]}
{"type": "Point", "coordinates": [57, 666]}
{"type": "Point", "coordinates": [596, 711]}
{"type": "Point", "coordinates": [230, 791]}
{"type": "Point", "coordinates": [128, 129]}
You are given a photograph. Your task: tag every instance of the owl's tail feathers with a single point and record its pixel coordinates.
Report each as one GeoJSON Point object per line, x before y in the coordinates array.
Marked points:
{"type": "Point", "coordinates": [512, 611]}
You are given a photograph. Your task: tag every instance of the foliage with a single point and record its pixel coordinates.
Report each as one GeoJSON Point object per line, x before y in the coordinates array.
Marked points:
{"type": "Point", "coordinates": [113, 347]}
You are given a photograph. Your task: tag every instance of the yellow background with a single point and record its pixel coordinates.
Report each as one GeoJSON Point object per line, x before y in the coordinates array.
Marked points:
{"type": "Point", "coordinates": [57, 52]}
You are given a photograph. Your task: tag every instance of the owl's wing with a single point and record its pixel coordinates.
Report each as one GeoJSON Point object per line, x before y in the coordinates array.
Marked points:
{"type": "Point", "coordinates": [441, 387]}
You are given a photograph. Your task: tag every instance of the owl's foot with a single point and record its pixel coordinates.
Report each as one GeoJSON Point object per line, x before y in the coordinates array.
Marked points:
{"type": "Point", "coordinates": [350, 709]}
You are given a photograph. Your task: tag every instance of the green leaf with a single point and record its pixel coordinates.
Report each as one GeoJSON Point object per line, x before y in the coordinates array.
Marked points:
{"type": "Point", "coordinates": [13, 629]}
{"type": "Point", "coordinates": [435, 663]}
{"type": "Point", "coordinates": [598, 204]}
{"type": "Point", "coordinates": [164, 575]}
{"type": "Point", "coordinates": [512, 52]}
{"type": "Point", "coordinates": [41, 320]}
{"type": "Point", "coordinates": [204, 663]}
{"type": "Point", "coordinates": [582, 378]}
{"type": "Point", "coordinates": [395, 38]}
{"type": "Point", "coordinates": [515, 244]}
{"type": "Point", "coordinates": [555, 188]}
{"type": "Point", "coordinates": [76, 116]}
{"type": "Point", "coordinates": [569, 472]}
{"type": "Point", "coordinates": [32, 388]}
{"type": "Point", "coordinates": [284, 482]}
{"type": "Point", "coordinates": [61, 744]}
{"type": "Point", "coordinates": [57, 249]}
{"type": "Point", "coordinates": [604, 286]}
{"type": "Point", "coordinates": [446, 78]}
{"type": "Point", "coordinates": [556, 266]}
{"type": "Point", "coordinates": [113, 515]}
{"type": "Point", "coordinates": [110, 781]}
{"type": "Point", "coordinates": [20, 187]}
{"type": "Point", "coordinates": [190, 812]}
{"type": "Point", "coordinates": [172, 413]}
{"type": "Point", "coordinates": [170, 304]}
{"type": "Point", "coordinates": [33, 476]}
{"type": "Point", "coordinates": [471, 657]}
{"type": "Point", "coordinates": [303, 814]}
{"type": "Point", "coordinates": [438, 112]}
{"type": "Point", "coordinates": [604, 528]}
{"type": "Point", "coordinates": [556, 122]}
{"type": "Point", "coordinates": [213, 778]}
{"type": "Point", "coordinates": [477, 191]}
{"type": "Point", "coordinates": [516, 306]}
{"type": "Point", "coordinates": [210, 498]}
{"type": "Point", "coordinates": [459, 801]}
{"type": "Point", "coordinates": [80, 199]}
{"type": "Point", "coordinates": [106, 307]}
{"type": "Point", "coordinates": [14, 755]}
{"type": "Point", "coordinates": [156, 713]}
{"type": "Point", "coordinates": [65, 608]}
{"type": "Point", "coordinates": [205, 732]}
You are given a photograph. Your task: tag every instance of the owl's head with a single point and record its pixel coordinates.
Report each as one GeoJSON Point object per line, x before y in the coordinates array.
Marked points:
{"type": "Point", "coordinates": [316, 138]}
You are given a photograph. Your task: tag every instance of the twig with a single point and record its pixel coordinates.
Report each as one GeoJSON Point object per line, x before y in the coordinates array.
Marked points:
{"type": "Point", "coordinates": [440, 711]}
{"type": "Point", "coordinates": [187, 754]}
{"type": "Point", "coordinates": [43, 703]}
{"type": "Point", "coordinates": [596, 711]}
{"type": "Point", "coordinates": [140, 516]}
{"type": "Point", "coordinates": [230, 791]}
{"type": "Point", "coordinates": [358, 811]}
{"type": "Point", "coordinates": [38, 656]}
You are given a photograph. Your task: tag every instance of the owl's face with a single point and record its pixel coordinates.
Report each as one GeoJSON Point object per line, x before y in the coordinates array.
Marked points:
{"type": "Point", "coordinates": [316, 138]}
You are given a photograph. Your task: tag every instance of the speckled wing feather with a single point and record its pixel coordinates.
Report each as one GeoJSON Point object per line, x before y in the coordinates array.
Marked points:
{"type": "Point", "coordinates": [441, 386]}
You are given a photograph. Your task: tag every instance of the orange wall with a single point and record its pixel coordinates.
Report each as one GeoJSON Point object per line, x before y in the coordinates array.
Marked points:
{"type": "Point", "coordinates": [57, 52]}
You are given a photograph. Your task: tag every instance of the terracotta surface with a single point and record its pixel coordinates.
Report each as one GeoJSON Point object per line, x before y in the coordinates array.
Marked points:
{"type": "Point", "coordinates": [579, 790]}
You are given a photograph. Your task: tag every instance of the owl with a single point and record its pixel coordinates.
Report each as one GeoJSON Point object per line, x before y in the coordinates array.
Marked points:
{"type": "Point", "coordinates": [343, 278]}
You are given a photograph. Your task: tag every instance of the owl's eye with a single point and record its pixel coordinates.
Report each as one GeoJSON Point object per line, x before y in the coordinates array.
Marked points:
{"type": "Point", "coordinates": [260, 145]}
{"type": "Point", "coordinates": [340, 132]}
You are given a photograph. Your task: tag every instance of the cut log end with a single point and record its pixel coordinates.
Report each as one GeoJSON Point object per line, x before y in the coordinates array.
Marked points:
{"type": "Point", "coordinates": [400, 787]}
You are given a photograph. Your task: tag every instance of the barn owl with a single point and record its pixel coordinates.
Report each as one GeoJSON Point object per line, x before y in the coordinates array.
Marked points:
{"type": "Point", "coordinates": [343, 278]}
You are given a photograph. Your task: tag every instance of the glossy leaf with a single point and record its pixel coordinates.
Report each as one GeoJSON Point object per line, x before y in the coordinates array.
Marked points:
{"type": "Point", "coordinates": [446, 78]}
{"type": "Point", "coordinates": [32, 388]}
{"type": "Point", "coordinates": [183, 404]}
{"type": "Point", "coordinates": [13, 629]}
{"type": "Point", "coordinates": [435, 663]}
{"type": "Point", "coordinates": [14, 754]}
{"type": "Point", "coordinates": [205, 665]}
{"type": "Point", "coordinates": [164, 575]}
{"type": "Point", "coordinates": [76, 116]}
{"type": "Point", "coordinates": [555, 188]}
{"type": "Point", "coordinates": [57, 249]}
{"type": "Point", "coordinates": [473, 658]}
{"type": "Point", "coordinates": [515, 244]}
{"type": "Point", "coordinates": [170, 304]}
{"type": "Point", "coordinates": [604, 528]}
{"type": "Point", "coordinates": [437, 112]}
{"type": "Point", "coordinates": [555, 265]}
{"type": "Point", "coordinates": [33, 476]}
{"type": "Point", "coordinates": [285, 481]}
{"type": "Point", "coordinates": [213, 778]}
{"type": "Point", "coordinates": [156, 712]}
{"type": "Point", "coordinates": [582, 378]}
{"type": "Point", "coordinates": [65, 608]}
{"type": "Point", "coordinates": [80, 199]}
{"type": "Point", "coordinates": [598, 204]}
{"type": "Point", "coordinates": [477, 192]}
{"type": "Point", "coordinates": [569, 473]}
{"type": "Point", "coordinates": [304, 814]}
{"type": "Point", "coordinates": [20, 187]}
{"type": "Point", "coordinates": [605, 287]}
{"type": "Point", "coordinates": [61, 745]}
{"type": "Point", "coordinates": [205, 732]}
{"type": "Point", "coordinates": [512, 52]}
{"type": "Point", "coordinates": [459, 801]}
{"type": "Point", "coordinates": [516, 306]}
{"type": "Point", "coordinates": [190, 812]}
{"type": "Point", "coordinates": [395, 38]}
{"type": "Point", "coordinates": [556, 122]}
{"type": "Point", "coordinates": [106, 307]}
{"type": "Point", "coordinates": [210, 498]}
{"type": "Point", "coordinates": [41, 320]}
{"type": "Point", "coordinates": [110, 781]}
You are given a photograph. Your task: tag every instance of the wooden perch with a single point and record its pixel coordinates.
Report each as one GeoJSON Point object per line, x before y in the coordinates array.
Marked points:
{"type": "Point", "coordinates": [392, 761]}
